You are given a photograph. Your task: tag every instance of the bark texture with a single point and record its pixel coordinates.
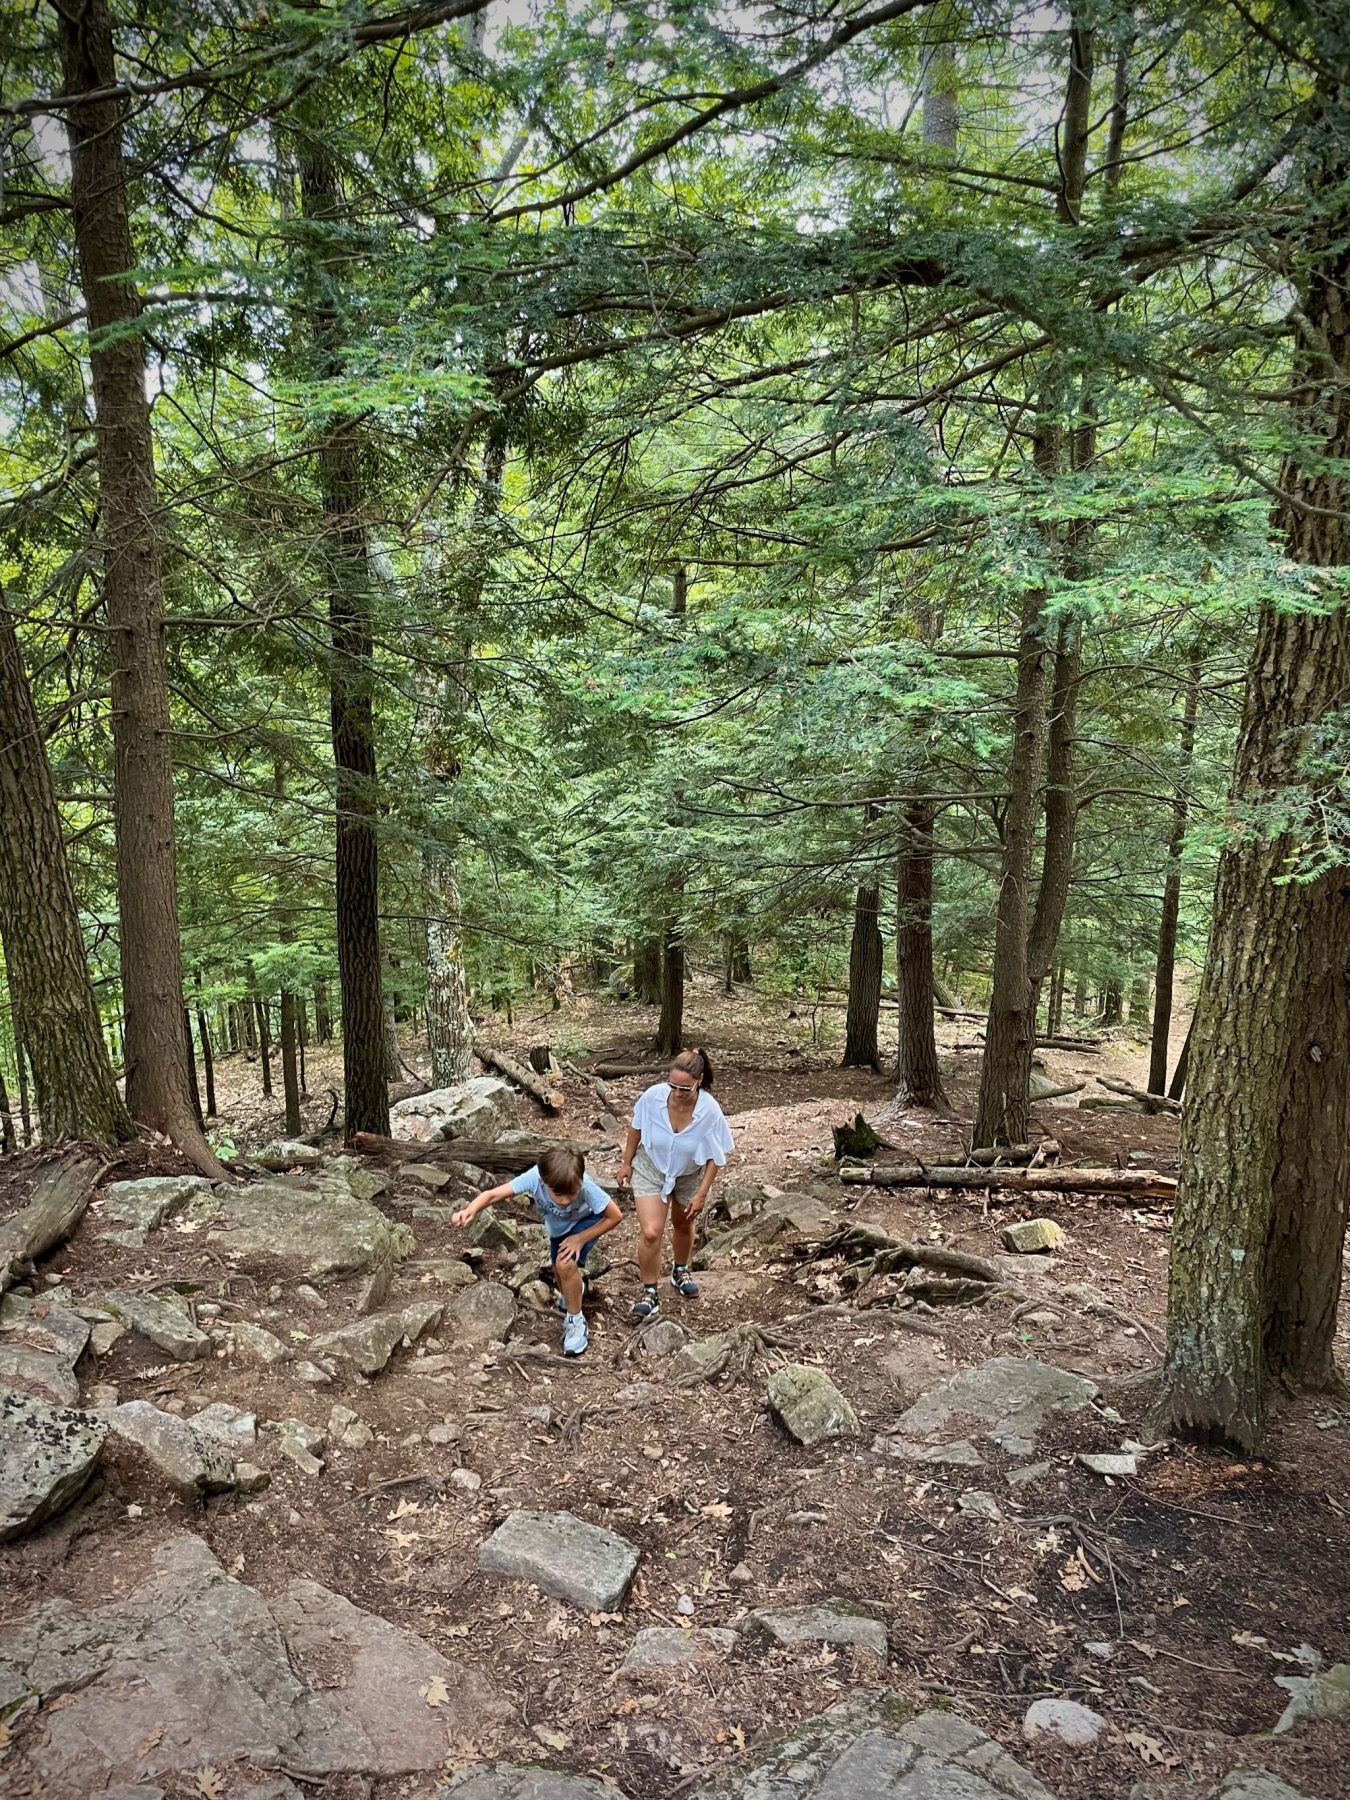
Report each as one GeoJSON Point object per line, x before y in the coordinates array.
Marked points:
{"type": "Point", "coordinates": [57, 1015]}
{"type": "Point", "coordinates": [157, 1089]}
{"type": "Point", "coordinates": [1165, 967]}
{"type": "Point", "coordinates": [351, 588]}
{"type": "Point", "coordinates": [670, 1026]}
{"type": "Point", "coordinates": [864, 981]}
{"type": "Point", "coordinates": [918, 1082]}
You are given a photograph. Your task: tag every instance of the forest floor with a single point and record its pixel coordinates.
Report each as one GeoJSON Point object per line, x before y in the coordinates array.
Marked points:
{"type": "Point", "coordinates": [1169, 1601]}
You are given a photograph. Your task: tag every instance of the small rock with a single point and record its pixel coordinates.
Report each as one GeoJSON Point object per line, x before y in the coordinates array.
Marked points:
{"type": "Point", "coordinates": [741, 1575]}
{"type": "Point", "coordinates": [808, 1405]}
{"type": "Point", "coordinates": [250, 1479]}
{"type": "Point", "coordinates": [538, 1415]}
{"type": "Point", "coordinates": [564, 1556]}
{"type": "Point", "coordinates": [447, 1271]}
{"type": "Point", "coordinates": [285, 1153]}
{"type": "Point", "coordinates": [164, 1324]}
{"type": "Point", "coordinates": [1065, 1721]}
{"type": "Point", "coordinates": [1045, 1319]}
{"type": "Point", "coordinates": [482, 1313]}
{"type": "Point", "coordinates": [190, 1461]}
{"type": "Point", "coordinates": [425, 1176]}
{"type": "Point", "coordinates": [668, 1647]}
{"type": "Point", "coordinates": [369, 1343]}
{"type": "Point", "coordinates": [1024, 1476]}
{"type": "Point", "coordinates": [310, 1296]}
{"type": "Point", "coordinates": [493, 1231]}
{"type": "Point", "coordinates": [444, 1433]}
{"type": "Point", "coordinates": [537, 1295]}
{"type": "Point", "coordinates": [1101, 1649]}
{"type": "Point", "coordinates": [258, 1347]}
{"type": "Point", "coordinates": [663, 1337]}
{"type": "Point", "coordinates": [226, 1424]}
{"type": "Point", "coordinates": [832, 1622]}
{"type": "Point", "coordinates": [465, 1480]}
{"type": "Point", "coordinates": [1012, 1397]}
{"type": "Point", "coordinates": [47, 1455]}
{"type": "Point", "coordinates": [960, 1455]}
{"type": "Point", "coordinates": [1102, 1463]}
{"type": "Point", "coordinates": [300, 1442]}
{"type": "Point", "coordinates": [1026, 1236]}
{"type": "Point", "coordinates": [38, 1353]}
{"type": "Point", "coordinates": [313, 1374]}
{"type": "Point", "coordinates": [977, 1504]}
{"type": "Point", "coordinates": [1323, 1695]}
{"type": "Point", "coordinates": [348, 1429]}
{"type": "Point", "coordinates": [102, 1397]}
{"type": "Point", "coordinates": [684, 1606]}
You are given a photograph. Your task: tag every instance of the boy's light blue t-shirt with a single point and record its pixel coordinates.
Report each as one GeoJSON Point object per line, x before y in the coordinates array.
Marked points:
{"type": "Point", "coordinates": [591, 1201]}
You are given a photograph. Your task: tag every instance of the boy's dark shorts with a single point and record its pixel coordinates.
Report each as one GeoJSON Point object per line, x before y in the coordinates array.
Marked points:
{"type": "Point", "coordinates": [586, 1248]}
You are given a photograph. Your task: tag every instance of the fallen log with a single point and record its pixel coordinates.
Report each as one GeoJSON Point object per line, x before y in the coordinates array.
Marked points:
{"type": "Point", "coordinates": [499, 1159]}
{"type": "Point", "coordinates": [57, 1206]}
{"type": "Point", "coordinates": [1084, 1046]}
{"type": "Point", "coordinates": [1104, 1103]}
{"type": "Point", "coordinates": [1142, 1184]}
{"type": "Point", "coordinates": [549, 1098]}
{"type": "Point", "coordinates": [1151, 1103]}
{"type": "Point", "coordinates": [615, 1071]}
{"type": "Point", "coordinates": [606, 1096]}
{"type": "Point", "coordinates": [1058, 1092]}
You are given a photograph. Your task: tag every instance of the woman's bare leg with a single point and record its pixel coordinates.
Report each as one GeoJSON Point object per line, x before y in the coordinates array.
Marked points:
{"type": "Point", "coordinates": [651, 1212]}
{"type": "Point", "coordinates": [682, 1232]}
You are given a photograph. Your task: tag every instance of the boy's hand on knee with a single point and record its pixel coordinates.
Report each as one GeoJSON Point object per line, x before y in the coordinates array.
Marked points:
{"type": "Point", "coordinates": [568, 1252]}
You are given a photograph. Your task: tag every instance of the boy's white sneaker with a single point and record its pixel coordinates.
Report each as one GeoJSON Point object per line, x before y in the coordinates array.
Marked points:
{"type": "Point", "coordinates": [575, 1334]}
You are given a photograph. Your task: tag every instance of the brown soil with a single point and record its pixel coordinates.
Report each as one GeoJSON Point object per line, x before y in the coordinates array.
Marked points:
{"type": "Point", "coordinates": [1202, 1575]}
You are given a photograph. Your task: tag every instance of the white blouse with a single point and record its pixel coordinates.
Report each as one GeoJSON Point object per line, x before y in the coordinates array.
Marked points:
{"type": "Point", "coordinates": [704, 1139]}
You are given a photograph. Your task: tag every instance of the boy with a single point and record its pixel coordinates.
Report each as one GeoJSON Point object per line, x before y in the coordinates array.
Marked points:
{"type": "Point", "coordinates": [575, 1210]}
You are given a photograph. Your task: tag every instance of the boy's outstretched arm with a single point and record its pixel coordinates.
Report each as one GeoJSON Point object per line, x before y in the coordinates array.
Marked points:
{"type": "Point", "coordinates": [481, 1202]}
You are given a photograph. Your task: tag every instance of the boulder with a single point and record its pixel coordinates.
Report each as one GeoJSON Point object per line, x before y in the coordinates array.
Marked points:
{"type": "Point", "coordinates": [255, 1345]}
{"type": "Point", "coordinates": [192, 1462]}
{"type": "Point", "coordinates": [376, 1679]}
{"type": "Point", "coordinates": [1011, 1397]}
{"type": "Point", "coordinates": [311, 1219]}
{"type": "Point", "coordinates": [1104, 1463]}
{"type": "Point", "coordinates": [875, 1744]}
{"type": "Point", "coordinates": [301, 1443]}
{"type": "Point", "coordinates": [47, 1455]}
{"type": "Point", "coordinates": [978, 1503]}
{"type": "Point", "coordinates": [1064, 1721]}
{"type": "Point", "coordinates": [192, 1668]}
{"type": "Point", "coordinates": [523, 1781]}
{"type": "Point", "coordinates": [424, 1175]}
{"type": "Point", "coordinates": [1027, 1236]}
{"type": "Point", "coordinates": [1254, 1784]}
{"type": "Point", "coordinates": [38, 1353]}
{"type": "Point", "coordinates": [564, 1556]}
{"type": "Point", "coordinates": [348, 1430]}
{"type": "Point", "coordinates": [287, 1153]}
{"type": "Point", "coordinates": [491, 1230]}
{"type": "Point", "coordinates": [369, 1343]}
{"type": "Point", "coordinates": [163, 1322]}
{"type": "Point", "coordinates": [145, 1204]}
{"type": "Point", "coordinates": [481, 1314]}
{"type": "Point", "coordinates": [228, 1425]}
{"type": "Point", "coordinates": [663, 1337]}
{"type": "Point", "coordinates": [670, 1647]}
{"type": "Point", "coordinates": [483, 1108]}
{"type": "Point", "coordinates": [808, 1405]}
{"type": "Point", "coordinates": [836, 1622]}
{"type": "Point", "coordinates": [1323, 1695]}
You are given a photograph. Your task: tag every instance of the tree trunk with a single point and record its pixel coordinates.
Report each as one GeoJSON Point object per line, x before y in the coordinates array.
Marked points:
{"type": "Point", "coordinates": [918, 1082]}
{"type": "Point", "coordinates": [21, 1062]}
{"type": "Point", "coordinates": [1003, 1113]}
{"type": "Point", "coordinates": [1177, 1086]}
{"type": "Point", "coordinates": [8, 1143]}
{"type": "Point", "coordinates": [192, 1069]}
{"type": "Point", "coordinates": [261, 1014]}
{"type": "Point", "coordinates": [45, 957]}
{"type": "Point", "coordinates": [670, 1028]}
{"type": "Point", "coordinates": [1165, 967]}
{"type": "Point", "coordinates": [351, 688]}
{"type": "Point", "coordinates": [864, 981]}
{"type": "Point", "coordinates": [393, 1061]}
{"type": "Point", "coordinates": [1113, 1004]}
{"type": "Point", "coordinates": [208, 1056]}
{"type": "Point", "coordinates": [157, 1088]}
{"type": "Point", "coordinates": [1260, 1216]}
{"type": "Point", "coordinates": [323, 1024]}
{"type": "Point", "coordinates": [290, 1074]}
{"type": "Point", "coordinates": [741, 971]}
{"type": "Point", "coordinates": [647, 971]}
{"type": "Point", "coordinates": [302, 1038]}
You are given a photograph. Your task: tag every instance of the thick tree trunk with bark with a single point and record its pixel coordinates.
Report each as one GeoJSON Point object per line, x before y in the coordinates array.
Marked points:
{"type": "Point", "coordinates": [208, 1053]}
{"type": "Point", "coordinates": [647, 971]}
{"type": "Point", "coordinates": [264, 1027]}
{"type": "Point", "coordinates": [1260, 1218]}
{"type": "Point", "coordinates": [351, 589]}
{"type": "Point", "coordinates": [864, 981]}
{"type": "Point", "coordinates": [1165, 967]}
{"type": "Point", "coordinates": [40, 923]}
{"type": "Point", "coordinates": [157, 1087]}
{"type": "Point", "coordinates": [670, 1027]}
{"type": "Point", "coordinates": [290, 1067]}
{"type": "Point", "coordinates": [918, 1082]}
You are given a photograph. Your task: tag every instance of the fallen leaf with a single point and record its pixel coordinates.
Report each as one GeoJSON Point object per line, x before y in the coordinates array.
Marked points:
{"type": "Point", "coordinates": [1251, 1640]}
{"type": "Point", "coordinates": [148, 1743]}
{"type": "Point", "coordinates": [209, 1784]}
{"type": "Point", "coordinates": [435, 1693]}
{"type": "Point", "coordinates": [402, 1539]}
{"type": "Point", "coordinates": [717, 1510]}
{"type": "Point", "coordinates": [552, 1740]}
{"type": "Point", "coordinates": [405, 1507]}
{"type": "Point", "coordinates": [1151, 1750]}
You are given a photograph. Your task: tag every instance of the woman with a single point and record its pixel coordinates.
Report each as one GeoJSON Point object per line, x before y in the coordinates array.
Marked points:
{"type": "Point", "coordinates": [675, 1146]}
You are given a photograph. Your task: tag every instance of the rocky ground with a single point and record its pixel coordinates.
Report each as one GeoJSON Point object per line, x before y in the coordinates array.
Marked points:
{"type": "Point", "coordinates": [328, 1513]}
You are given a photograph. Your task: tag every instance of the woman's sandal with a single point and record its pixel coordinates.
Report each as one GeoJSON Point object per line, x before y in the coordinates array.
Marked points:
{"type": "Point", "coordinates": [683, 1282]}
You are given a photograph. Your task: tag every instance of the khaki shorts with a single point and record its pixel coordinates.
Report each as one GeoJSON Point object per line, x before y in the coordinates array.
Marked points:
{"type": "Point", "coordinates": [648, 1179]}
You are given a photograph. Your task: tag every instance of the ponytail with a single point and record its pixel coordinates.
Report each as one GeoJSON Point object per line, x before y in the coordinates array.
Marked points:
{"type": "Point", "coordinates": [695, 1062]}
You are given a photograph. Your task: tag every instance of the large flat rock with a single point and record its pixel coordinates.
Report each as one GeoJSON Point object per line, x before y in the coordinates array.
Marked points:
{"type": "Point", "coordinates": [47, 1455]}
{"type": "Point", "coordinates": [190, 1462]}
{"type": "Point", "coordinates": [38, 1353]}
{"type": "Point", "coordinates": [191, 1668]}
{"type": "Point", "coordinates": [313, 1220]}
{"type": "Point", "coordinates": [564, 1556]}
{"type": "Point", "coordinates": [525, 1781]}
{"type": "Point", "coordinates": [1011, 1397]}
{"type": "Point", "coordinates": [162, 1322]}
{"type": "Point", "coordinates": [144, 1204]}
{"type": "Point", "coordinates": [369, 1343]}
{"type": "Point", "coordinates": [875, 1745]}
